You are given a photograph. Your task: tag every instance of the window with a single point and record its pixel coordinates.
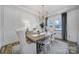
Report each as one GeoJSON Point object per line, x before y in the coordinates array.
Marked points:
{"type": "Point", "coordinates": [49, 23]}
{"type": "Point", "coordinates": [55, 23]}
{"type": "Point", "coordinates": [58, 23]}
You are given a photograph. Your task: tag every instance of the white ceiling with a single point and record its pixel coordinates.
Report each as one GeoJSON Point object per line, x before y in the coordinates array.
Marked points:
{"type": "Point", "coordinates": [49, 9]}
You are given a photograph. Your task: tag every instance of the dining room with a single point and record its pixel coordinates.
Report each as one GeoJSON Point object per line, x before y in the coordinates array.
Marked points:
{"type": "Point", "coordinates": [39, 29]}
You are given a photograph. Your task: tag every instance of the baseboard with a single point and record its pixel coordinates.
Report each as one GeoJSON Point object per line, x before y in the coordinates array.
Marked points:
{"type": "Point", "coordinates": [72, 42]}
{"type": "Point", "coordinates": [66, 40]}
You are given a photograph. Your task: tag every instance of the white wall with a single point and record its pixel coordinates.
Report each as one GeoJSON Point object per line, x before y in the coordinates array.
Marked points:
{"type": "Point", "coordinates": [78, 26]}
{"type": "Point", "coordinates": [72, 27]}
{"type": "Point", "coordinates": [13, 20]}
{"type": "Point", "coordinates": [0, 26]}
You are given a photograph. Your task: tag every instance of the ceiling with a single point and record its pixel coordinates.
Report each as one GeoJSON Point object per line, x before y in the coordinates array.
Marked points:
{"type": "Point", "coordinates": [47, 9]}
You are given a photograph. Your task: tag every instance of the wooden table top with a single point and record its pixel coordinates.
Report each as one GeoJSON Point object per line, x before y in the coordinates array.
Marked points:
{"type": "Point", "coordinates": [36, 37]}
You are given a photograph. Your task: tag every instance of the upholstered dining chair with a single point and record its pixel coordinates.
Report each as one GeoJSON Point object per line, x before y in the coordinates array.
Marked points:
{"type": "Point", "coordinates": [26, 48]}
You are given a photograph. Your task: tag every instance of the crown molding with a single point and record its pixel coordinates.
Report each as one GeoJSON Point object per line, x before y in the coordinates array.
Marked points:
{"type": "Point", "coordinates": [26, 10]}
{"type": "Point", "coordinates": [62, 11]}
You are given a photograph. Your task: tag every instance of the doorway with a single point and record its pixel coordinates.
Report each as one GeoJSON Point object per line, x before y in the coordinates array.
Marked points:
{"type": "Point", "coordinates": [64, 26]}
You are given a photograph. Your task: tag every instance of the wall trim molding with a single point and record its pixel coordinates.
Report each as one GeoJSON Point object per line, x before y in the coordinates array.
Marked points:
{"type": "Point", "coordinates": [62, 11]}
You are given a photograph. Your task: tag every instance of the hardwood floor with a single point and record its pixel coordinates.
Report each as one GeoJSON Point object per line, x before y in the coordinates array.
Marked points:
{"type": "Point", "coordinates": [57, 47]}
{"type": "Point", "coordinates": [7, 49]}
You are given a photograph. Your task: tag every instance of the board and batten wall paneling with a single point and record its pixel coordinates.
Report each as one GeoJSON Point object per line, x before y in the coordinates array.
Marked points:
{"type": "Point", "coordinates": [13, 20]}
{"type": "Point", "coordinates": [72, 27]}
{"type": "Point", "coordinates": [78, 26]}
{"type": "Point", "coordinates": [0, 26]}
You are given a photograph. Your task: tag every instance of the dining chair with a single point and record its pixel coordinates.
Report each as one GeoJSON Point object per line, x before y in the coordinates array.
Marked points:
{"type": "Point", "coordinates": [25, 47]}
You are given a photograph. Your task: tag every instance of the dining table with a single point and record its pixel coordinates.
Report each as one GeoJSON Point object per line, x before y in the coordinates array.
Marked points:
{"type": "Point", "coordinates": [36, 38]}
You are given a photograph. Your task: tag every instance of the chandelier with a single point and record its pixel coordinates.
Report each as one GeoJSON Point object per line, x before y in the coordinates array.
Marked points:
{"type": "Point", "coordinates": [43, 14]}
